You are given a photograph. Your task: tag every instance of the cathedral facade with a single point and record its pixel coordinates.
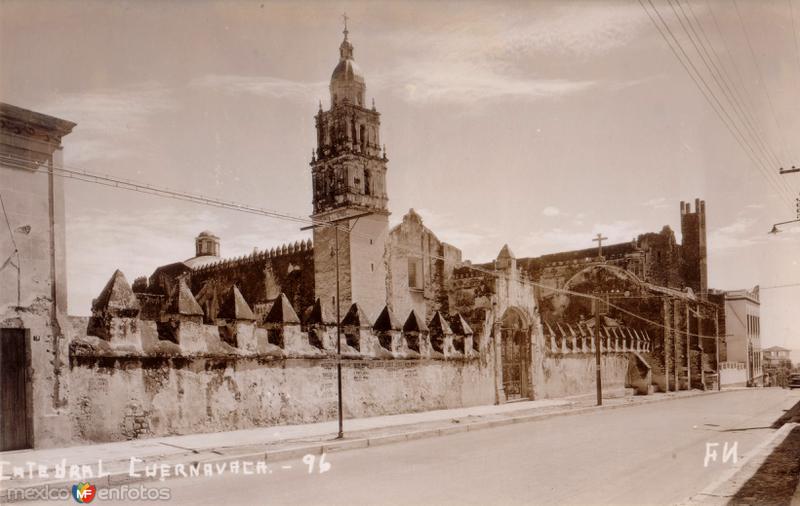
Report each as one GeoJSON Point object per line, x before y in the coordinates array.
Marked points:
{"type": "Point", "coordinates": [354, 257]}
{"type": "Point", "coordinates": [214, 343]}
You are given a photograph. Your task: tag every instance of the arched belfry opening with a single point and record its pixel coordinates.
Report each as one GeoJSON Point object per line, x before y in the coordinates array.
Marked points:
{"type": "Point", "coordinates": [515, 354]}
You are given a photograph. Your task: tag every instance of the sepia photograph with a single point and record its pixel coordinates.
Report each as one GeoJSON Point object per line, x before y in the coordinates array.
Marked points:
{"type": "Point", "coordinates": [477, 252]}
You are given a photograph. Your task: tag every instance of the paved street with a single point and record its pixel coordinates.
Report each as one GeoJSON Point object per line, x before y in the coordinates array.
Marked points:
{"type": "Point", "coordinates": [651, 454]}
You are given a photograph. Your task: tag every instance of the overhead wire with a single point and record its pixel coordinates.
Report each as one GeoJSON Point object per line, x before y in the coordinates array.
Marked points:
{"type": "Point", "coordinates": [737, 71]}
{"type": "Point", "coordinates": [761, 75]}
{"type": "Point", "coordinates": [114, 182]}
{"type": "Point", "coordinates": [718, 72]}
{"type": "Point", "coordinates": [708, 94]}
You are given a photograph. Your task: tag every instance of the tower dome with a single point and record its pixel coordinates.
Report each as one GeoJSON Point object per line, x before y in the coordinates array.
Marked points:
{"type": "Point", "coordinates": [347, 81]}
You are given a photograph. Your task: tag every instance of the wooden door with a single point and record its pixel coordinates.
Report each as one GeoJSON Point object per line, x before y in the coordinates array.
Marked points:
{"type": "Point", "coordinates": [13, 391]}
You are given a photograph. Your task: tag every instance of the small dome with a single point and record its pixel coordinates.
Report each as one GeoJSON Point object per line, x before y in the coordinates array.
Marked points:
{"type": "Point", "coordinates": [207, 233]}
{"type": "Point", "coordinates": [347, 70]}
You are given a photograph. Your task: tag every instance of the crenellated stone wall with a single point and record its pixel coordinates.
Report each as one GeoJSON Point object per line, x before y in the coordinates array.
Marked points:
{"type": "Point", "coordinates": [133, 378]}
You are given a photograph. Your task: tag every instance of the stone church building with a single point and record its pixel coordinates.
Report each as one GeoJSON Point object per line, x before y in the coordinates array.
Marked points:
{"type": "Point", "coordinates": [213, 343]}
{"type": "Point", "coordinates": [407, 271]}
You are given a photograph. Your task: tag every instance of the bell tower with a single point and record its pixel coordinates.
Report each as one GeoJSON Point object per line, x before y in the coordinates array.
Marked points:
{"type": "Point", "coordinates": [348, 170]}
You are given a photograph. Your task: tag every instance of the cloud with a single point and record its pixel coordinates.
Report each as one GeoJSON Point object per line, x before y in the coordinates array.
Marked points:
{"type": "Point", "coordinates": [473, 61]}
{"type": "Point", "coordinates": [737, 234]}
{"type": "Point", "coordinates": [551, 211]}
{"type": "Point", "coordinates": [265, 86]}
{"type": "Point", "coordinates": [112, 123]}
{"type": "Point", "coordinates": [656, 203]}
{"type": "Point", "coordinates": [559, 239]}
{"type": "Point", "coordinates": [581, 29]}
{"type": "Point", "coordinates": [467, 82]}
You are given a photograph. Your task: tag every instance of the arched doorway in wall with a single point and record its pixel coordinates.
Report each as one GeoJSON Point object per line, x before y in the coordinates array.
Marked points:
{"type": "Point", "coordinates": [515, 354]}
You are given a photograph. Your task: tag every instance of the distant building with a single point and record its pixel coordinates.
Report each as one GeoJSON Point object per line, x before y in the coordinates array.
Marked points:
{"type": "Point", "coordinates": [743, 327]}
{"type": "Point", "coordinates": [777, 356]}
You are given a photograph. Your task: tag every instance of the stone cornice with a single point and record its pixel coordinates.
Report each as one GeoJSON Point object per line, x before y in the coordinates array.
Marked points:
{"type": "Point", "coordinates": [26, 123]}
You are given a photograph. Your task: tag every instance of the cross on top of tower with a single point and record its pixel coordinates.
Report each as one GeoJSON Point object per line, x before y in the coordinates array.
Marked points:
{"type": "Point", "coordinates": [345, 18]}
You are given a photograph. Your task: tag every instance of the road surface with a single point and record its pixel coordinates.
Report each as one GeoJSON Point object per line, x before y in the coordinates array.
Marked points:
{"type": "Point", "coordinates": [647, 454]}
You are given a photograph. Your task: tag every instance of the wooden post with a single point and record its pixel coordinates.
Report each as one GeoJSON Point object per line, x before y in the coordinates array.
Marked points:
{"type": "Point", "coordinates": [598, 373]}
{"type": "Point", "coordinates": [675, 333]}
{"type": "Point", "coordinates": [338, 342]}
{"type": "Point", "coordinates": [688, 349]}
{"type": "Point", "coordinates": [700, 347]}
{"type": "Point", "coordinates": [665, 310]}
{"type": "Point", "coordinates": [716, 346]}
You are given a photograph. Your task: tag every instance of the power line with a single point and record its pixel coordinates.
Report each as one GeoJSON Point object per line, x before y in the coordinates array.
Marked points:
{"type": "Point", "coordinates": [721, 82]}
{"type": "Point", "coordinates": [710, 65]}
{"type": "Point", "coordinates": [738, 73]}
{"type": "Point", "coordinates": [114, 182]}
{"type": "Point", "coordinates": [727, 85]}
{"type": "Point", "coordinates": [796, 43]}
{"type": "Point", "coordinates": [761, 74]}
{"type": "Point", "coordinates": [775, 287]}
{"type": "Point", "coordinates": [706, 91]}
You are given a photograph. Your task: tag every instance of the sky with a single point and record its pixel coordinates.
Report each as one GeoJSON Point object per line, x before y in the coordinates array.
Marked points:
{"type": "Point", "coordinates": [536, 124]}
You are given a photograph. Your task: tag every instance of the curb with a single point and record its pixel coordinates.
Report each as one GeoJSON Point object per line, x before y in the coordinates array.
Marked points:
{"type": "Point", "coordinates": [270, 456]}
{"type": "Point", "coordinates": [721, 490]}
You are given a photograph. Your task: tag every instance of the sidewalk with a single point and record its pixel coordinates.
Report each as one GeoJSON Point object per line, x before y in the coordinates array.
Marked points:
{"type": "Point", "coordinates": [114, 460]}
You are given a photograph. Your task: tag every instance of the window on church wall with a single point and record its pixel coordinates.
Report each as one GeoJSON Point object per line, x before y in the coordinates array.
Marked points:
{"type": "Point", "coordinates": [415, 273]}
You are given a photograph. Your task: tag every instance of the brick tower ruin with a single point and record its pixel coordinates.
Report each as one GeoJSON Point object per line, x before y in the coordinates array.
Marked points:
{"type": "Point", "coordinates": [694, 262]}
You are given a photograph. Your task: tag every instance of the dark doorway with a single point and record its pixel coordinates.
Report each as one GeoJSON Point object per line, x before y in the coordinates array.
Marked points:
{"type": "Point", "coordinates": [515, 354]}
{"type": "Point", "coordinates": [15, 433]}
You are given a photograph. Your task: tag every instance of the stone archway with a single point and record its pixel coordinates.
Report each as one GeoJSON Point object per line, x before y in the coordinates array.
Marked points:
{"type": "Point", "coordinates": [515, 354]}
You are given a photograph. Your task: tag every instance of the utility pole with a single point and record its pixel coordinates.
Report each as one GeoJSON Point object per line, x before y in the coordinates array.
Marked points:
{"type": "Point", "coordinates": [716, 346]}
{"type": "Point", "coordinates": [338, 334]}
{"type": "Point", "coordinates": [335, 254]}
{"type": "Point", "coordinates": [676, 333]}
{"type": "Point", "coordinates": [597, 351]}
{"type": "Point", "coordinates": [775, 228]}
{"type": "Point", "coordinates": [667, 333]}
{"type": "Point", "coordinates": [688, 349]}
{"type": "Point", "coordinates": [598, 371]}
